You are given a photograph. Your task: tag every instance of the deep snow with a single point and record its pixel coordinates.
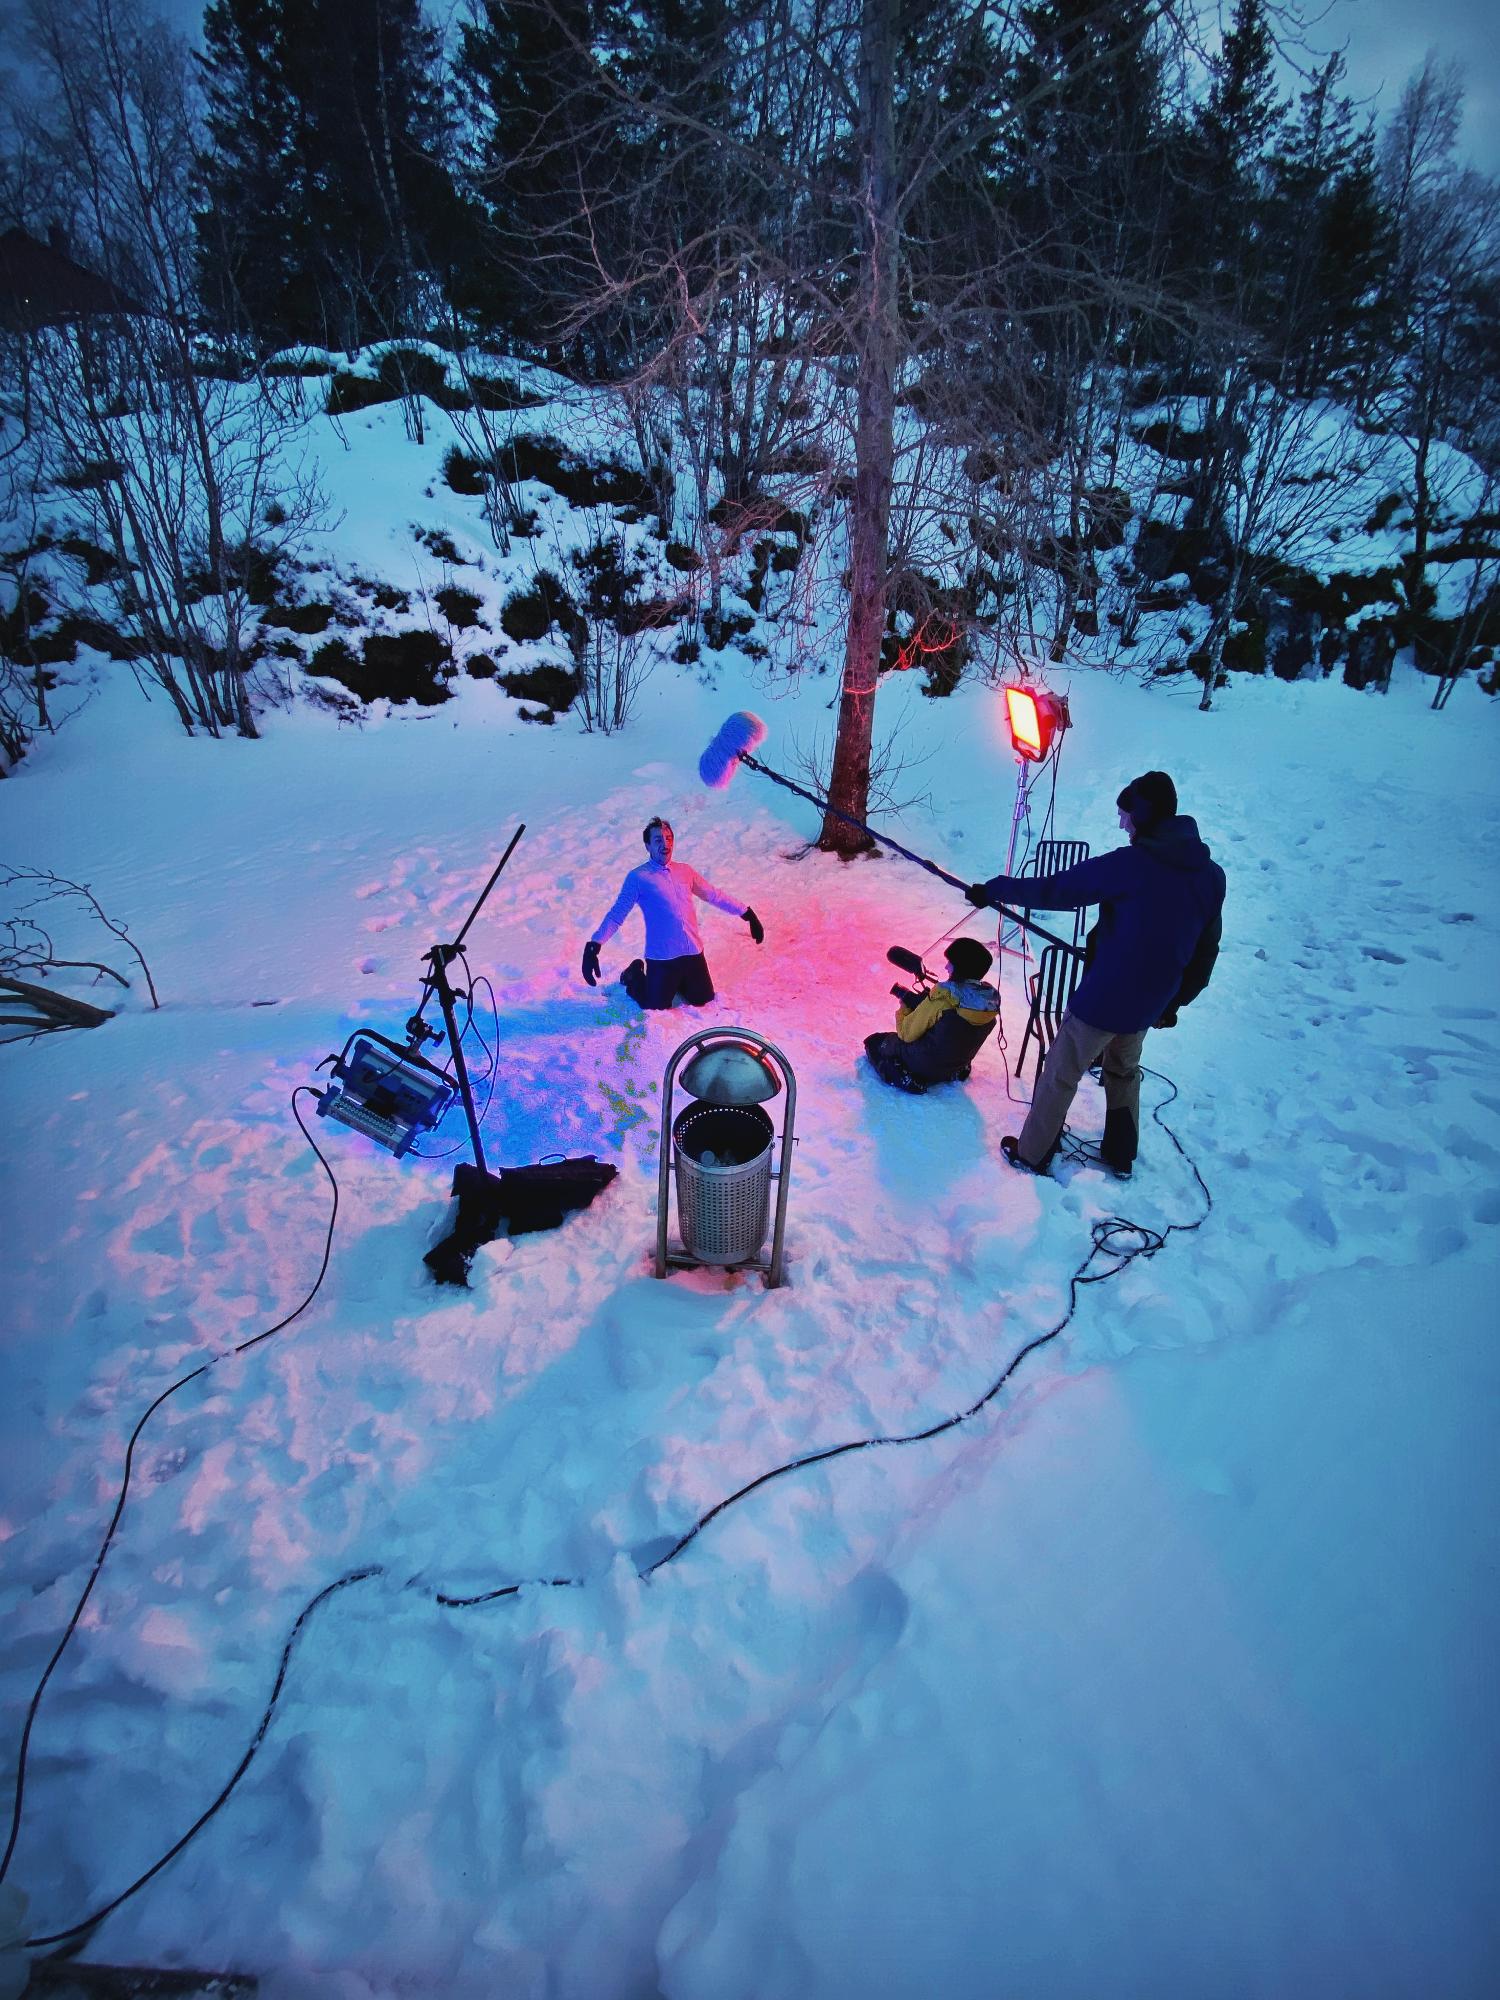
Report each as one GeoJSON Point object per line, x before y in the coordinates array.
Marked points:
{"type": "Point", "coordinates": [1167, 1674]}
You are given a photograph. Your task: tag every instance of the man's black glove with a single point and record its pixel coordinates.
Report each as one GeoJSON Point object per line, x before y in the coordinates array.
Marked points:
{"type": "Point", "coordinates": [978, 895]}
{"type": "Point", "coordinates": [1168, 1019]}
{"type": "Point", "coordinates": [757, 928]}
{"type": "Point", "coordinates": [591, 963]}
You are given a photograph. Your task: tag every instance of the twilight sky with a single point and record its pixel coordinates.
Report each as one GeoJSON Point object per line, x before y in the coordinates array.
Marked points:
{"type": "Point", "coordinates": [1385, 41]}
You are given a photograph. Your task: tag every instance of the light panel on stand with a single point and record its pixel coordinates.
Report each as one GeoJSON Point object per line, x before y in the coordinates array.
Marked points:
{"type": "Point", "coordinates": [389, 1093]}
{"type": "Point", "coordinates": [1035, 718]}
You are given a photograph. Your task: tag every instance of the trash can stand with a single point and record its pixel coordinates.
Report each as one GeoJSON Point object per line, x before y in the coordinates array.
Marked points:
{"type": "Point", "coordinates": [672, 1255]}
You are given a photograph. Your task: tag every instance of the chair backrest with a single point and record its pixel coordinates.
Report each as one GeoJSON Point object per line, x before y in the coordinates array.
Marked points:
{"type": "Point", "coordinates": [1049, 858]}
{"type": "Point", "coordinates": [1057, 974]}
{"type": "Point", "coordinates": [1052, 855]}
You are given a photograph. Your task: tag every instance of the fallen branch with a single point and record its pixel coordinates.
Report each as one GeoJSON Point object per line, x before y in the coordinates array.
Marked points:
{"type": "Point", "coordinates": [26, 946]}
{"type": "Point", "coordinates": [52, 1009]}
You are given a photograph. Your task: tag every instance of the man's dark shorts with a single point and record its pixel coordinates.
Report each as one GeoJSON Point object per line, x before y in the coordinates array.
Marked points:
{"type": "Point", "coordinates": [657, 982]}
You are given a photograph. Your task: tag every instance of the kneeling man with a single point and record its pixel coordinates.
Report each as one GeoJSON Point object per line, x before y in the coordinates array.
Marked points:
{"type": "Point", "coordinates": [664, 890]}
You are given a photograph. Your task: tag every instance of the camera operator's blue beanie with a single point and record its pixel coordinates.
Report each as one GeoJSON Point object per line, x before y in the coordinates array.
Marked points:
{"type": "Point", "coordinates": [1149, 800]}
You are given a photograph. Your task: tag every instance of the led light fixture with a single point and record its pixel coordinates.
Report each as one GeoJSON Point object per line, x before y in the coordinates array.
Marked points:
{"type": "Point", "coordinates": [1035, 718]}
{"type": "Point", "coordinates": [389, 1093]}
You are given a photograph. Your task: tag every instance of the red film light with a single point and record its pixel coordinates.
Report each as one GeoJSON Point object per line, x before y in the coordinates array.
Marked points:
{"type": "Point", "coordinates": [1034, 717]}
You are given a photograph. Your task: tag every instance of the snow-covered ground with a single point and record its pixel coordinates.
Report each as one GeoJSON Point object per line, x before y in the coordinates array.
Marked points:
{"type": "Point", "coordinates": [1169, 1673]}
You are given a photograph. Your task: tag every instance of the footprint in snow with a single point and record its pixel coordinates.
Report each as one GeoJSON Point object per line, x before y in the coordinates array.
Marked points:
{"type": "Point", "coordinates": [1386, 957]}
{"type": "Point", "coordinates": [1313, 1218]}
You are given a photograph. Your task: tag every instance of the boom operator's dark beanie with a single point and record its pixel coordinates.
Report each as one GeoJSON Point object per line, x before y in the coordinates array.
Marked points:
{"type": "Point", "coordinates": [1149, 799]}
{"type": "Point", "coordinates": [969, 958]}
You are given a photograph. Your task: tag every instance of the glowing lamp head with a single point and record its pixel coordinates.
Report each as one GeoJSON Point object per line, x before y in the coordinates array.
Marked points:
{"type": "Point", "coordinates": [1035, 718]}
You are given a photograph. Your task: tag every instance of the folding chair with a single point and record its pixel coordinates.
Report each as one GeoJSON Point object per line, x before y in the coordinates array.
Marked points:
{"type": "Point", "coordinates": [1051, 988]}
{"type": "Point", "coordinates": [1050, 858]}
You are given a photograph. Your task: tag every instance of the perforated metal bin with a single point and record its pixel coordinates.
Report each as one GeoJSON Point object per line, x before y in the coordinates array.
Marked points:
{"type": "Point", "coordinates": [721, 1144]}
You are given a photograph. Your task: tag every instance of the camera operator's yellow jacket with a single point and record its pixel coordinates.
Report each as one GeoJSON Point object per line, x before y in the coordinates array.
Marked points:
{"type": "Point", "coordinates": [974, 1001]}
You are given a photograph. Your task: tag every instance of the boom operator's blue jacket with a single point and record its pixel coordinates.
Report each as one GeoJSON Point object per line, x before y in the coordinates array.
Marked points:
{"type": "Point", "coordinates": [1160, 921]}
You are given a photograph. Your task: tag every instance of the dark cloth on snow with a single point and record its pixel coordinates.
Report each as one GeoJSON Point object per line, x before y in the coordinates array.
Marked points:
{"type": "Point", "coordinates": [1160, 923]}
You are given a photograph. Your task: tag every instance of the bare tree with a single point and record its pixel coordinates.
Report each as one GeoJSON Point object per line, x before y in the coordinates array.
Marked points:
{"type": "Point", "coordinates": [1288, 478]}
{"type": "Point", "coordinates": [169, 463]}
{"type": "Point", "coordinates": [788, 306]}
{"type": "Point", "coordinates": [1442, 390]}
{"type": "Point", "coordinates": [24, 707]}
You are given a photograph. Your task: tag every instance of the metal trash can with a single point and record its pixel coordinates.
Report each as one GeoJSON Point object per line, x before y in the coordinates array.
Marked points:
{"type": "Point", "coordinates": [721, 1144]}
{"type": "Point", "coordinates": [723, 1159]}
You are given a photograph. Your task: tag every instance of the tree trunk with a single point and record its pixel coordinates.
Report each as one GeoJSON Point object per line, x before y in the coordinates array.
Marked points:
{"type": "Point", "coordinates": [874, 452]}
{"type": "Point", "coordinates": [1218, 631]}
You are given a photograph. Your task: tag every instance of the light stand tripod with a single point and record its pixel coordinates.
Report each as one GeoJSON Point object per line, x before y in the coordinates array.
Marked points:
{"type": "Point", "coordinates": [438, 959]}
{"type": "Point", "coordinates": [392, 1093]}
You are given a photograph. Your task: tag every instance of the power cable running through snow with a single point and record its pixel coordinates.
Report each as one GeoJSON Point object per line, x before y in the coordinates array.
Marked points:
{"type": "Point", "coordinates": [203, 1368]}
{"type": "Point", "coordinates": [1113, 1236]}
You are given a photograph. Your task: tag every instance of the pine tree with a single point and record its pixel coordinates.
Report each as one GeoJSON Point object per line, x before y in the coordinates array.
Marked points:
{"type": "Point", "coordinates": [1222, 216]}
{"type": "Point", "coordinates": [1331, 243]}
{"type": "Point", "coordinates": [328, 209]}
{"type": "Point", "coordinates": [252, 230]}
{"type": "Point", "coordinates": [538, 160]}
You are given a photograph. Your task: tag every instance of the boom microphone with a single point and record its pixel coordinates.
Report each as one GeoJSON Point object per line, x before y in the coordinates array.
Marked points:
{"type": "Point", "coordinates": [740, 733]}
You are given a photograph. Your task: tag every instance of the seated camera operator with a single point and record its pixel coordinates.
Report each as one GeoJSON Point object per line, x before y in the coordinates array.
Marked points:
{"type": "Point", "coordinates": [940, 1031]}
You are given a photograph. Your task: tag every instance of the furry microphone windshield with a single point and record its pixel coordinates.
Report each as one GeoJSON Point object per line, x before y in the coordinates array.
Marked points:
{"type": "Point", "coordinates": [739, 735]}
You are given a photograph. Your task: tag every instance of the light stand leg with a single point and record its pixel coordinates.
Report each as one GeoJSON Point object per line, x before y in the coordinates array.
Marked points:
{"type": "Point", "coordinates": [1005, 941]}
{"type": "Point", "coordinates": [440, 956]}
{"type": "Point", "coordinates": [476, 1188]}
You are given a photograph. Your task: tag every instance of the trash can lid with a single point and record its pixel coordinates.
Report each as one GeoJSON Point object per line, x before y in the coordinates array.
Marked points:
{"type": "Point", "coordinates": [730, 1073]}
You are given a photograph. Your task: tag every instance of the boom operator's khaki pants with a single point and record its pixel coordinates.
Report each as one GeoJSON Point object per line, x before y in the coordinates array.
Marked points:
{"type": "Point", "coordinates": [1075, 1051]}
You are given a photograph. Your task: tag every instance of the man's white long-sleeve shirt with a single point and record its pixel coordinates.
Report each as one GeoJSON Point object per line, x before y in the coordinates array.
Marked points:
{"type": "Point", "coordinates": [664, 892]}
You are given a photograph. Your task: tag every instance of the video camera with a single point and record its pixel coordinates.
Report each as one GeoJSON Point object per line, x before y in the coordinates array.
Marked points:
{"type": "Point", "coordinates": [911, 962]}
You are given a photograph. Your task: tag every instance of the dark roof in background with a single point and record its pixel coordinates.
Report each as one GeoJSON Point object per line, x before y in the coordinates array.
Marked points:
{"type": "Point", "coordinates": [40, 286]}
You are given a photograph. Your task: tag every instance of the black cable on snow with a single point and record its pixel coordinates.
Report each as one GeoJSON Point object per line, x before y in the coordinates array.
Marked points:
{"type": "Point", "coordinates": [88, 1923]}
{"type": "Point", "coordinates": [1114, 1236]}
{"type": "Point", "coordinates": [104, 1547]}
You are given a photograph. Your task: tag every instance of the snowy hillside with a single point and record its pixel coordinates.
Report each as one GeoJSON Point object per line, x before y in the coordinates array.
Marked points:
{"type": "Point", "coordinates": [1166, 1673]}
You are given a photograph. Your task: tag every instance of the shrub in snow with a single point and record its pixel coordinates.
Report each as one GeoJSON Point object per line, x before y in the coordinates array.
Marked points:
{"type": "Point", "coordinates": [397, 667]}
{"type": "Point", "coordinates": [298, 617]}
{"type": "Point", "coordinates": [530, 614]}
{"type": "Point", "coordinates": [498, 392]}
{"type": "Point", "coordinates": [556, 687]}
{"type": "Point", "coordinates": [459, 607]}
{"type": "Point", "coordinates": [462, 473]}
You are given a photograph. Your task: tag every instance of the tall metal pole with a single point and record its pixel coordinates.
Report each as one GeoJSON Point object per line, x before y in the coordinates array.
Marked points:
{"type": "Point", "coordinates": [415, 1029]}
{"type": "Point", "coordinates": [439, 957]}
{"type": "Point", "coordinates": [484, 892]}
{"type": "Point", "coordinates": [1007, 934]}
